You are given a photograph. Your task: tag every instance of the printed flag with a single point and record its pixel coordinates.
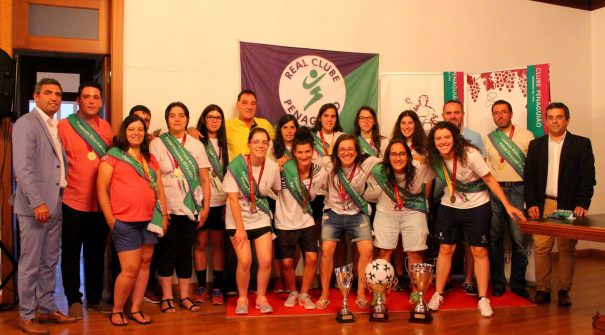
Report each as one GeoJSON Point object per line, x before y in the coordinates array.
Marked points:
{"type": "Point", "coordinates": [424, 93]}
{"type": "Point", "coordinates": [526, 89]}
{"type": "Point", "coordinates": [298, 81]}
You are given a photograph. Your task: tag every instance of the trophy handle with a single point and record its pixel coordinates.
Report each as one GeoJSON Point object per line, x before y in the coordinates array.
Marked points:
{"type": "Point", "coordinates": [407, 270]}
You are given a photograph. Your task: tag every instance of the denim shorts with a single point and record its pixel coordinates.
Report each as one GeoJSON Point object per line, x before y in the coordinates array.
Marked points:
{"type": "Point", "coordinates": [333, 225]}
{"type": "Point", "coordinates": [129, 236]}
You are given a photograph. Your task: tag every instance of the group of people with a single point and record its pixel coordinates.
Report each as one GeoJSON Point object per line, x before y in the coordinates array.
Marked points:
{"type": "Point", "coordinates": [279, 194]}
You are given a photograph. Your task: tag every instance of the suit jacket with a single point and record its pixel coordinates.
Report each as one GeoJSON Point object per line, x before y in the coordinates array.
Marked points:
{"type": "Point", "coordinates": [576, 173]}
{"type": "Point", "coordinates": [36, 165]}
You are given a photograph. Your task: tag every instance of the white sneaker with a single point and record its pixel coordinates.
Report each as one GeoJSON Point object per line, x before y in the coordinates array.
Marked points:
{"type": "Point", "coordinates": [292, 298]}
{"type": "Point", "coordinates": [436, 301]}
{"type": "Point", "coordinates": [305, 301]}
{"type": "Point", "coordinates": [485, 309]}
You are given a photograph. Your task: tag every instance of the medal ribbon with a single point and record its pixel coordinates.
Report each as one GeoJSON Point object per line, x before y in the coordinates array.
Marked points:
{"type": "Point", "coordinates": [252, 182]}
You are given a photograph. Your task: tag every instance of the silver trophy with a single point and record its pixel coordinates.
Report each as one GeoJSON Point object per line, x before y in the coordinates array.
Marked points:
{"type": "Point", "coordinates": [344, 278]}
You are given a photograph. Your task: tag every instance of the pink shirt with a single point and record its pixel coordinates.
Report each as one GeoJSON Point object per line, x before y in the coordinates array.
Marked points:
{"type": "Point", "coordinates": [131, 197]}
{"type": "Point", "coordinates": [81, 191]}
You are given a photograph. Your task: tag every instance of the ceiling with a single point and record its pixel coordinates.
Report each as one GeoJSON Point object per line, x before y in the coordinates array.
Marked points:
{"type": "Point", "coordinates": [579, 4]}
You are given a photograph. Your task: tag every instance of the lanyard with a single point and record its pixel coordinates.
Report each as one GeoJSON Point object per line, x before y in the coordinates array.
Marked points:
{"type": "Point", "coordinates": [306, 195]}
{"type": "Point", "coordinates": [341, 188]}
{"type": "Point", "coordinates": [251, 180]}
{"type": "Point", "coordinates": [397, 197]}
{"type": "Point", "coordinates": [143, 164]}
{"type": "Point", "coordinates": [323, 142]}
{"type": "Point", "coordinates": [451, 184]}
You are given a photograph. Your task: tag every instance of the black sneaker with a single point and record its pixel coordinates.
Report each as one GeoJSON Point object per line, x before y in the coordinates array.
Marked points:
{"type": "Point", "coordinates": [470, 288]}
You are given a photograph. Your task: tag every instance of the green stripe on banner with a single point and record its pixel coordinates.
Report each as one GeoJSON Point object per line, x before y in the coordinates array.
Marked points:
{"type": "Point", "coordinates": [453, 86]}
{"type": "Point", "coordinates": [538, 97]}
{"type": "Point", "coordinates": [362, 86]}
{"type": "Point", "coordinates": [450, 91]}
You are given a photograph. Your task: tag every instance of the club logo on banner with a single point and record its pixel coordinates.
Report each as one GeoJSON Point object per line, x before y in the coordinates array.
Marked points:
{"type": "Point", "coordinates": [299, 81]}
{"type": "Point", "coordinates": [307, 82]}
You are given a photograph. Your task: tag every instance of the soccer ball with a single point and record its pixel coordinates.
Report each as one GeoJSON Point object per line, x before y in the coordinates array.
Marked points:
{"type": "Point", "coordinates": [379, 271]}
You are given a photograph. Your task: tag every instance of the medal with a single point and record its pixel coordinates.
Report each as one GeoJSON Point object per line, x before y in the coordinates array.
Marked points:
{"type": "Point", "coordinates": [178, 173]}
{"type": "Point", "coordinates": [305, 210]}
{"type": "Point", "coordinates": [253, 207]}
{"type": "Point", "coordinates": [501, 165]}
{"type": "Point", "coordinates": [452, 199]}
{"type": "Point", "coordinates": [91, 156]}
{"type": "Point", "coordinates": [213, 174]}
{"type": "Point", "coordinates": [251, 182]}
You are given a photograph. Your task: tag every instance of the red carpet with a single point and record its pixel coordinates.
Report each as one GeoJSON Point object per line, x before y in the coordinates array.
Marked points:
{"type": "Point", "coordinates": [396, 302]}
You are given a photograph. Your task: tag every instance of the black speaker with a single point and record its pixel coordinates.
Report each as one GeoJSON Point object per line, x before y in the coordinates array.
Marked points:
{"type": "Point", "coordinates": [7, 84]}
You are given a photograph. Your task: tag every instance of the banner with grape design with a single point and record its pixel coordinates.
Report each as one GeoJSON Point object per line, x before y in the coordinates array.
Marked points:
{"type": "Point", "coordinates": [526, 89]}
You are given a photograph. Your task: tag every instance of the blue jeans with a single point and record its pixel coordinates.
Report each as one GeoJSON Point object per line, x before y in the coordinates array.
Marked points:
{"type": "Point", "coordinates": [519, 242]}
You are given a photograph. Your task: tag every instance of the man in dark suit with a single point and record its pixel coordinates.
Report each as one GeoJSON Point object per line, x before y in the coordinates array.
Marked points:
{"type": "Point", "coordinates": [559, 174]}
{"type": "Point", "coordinates": [40, 169]}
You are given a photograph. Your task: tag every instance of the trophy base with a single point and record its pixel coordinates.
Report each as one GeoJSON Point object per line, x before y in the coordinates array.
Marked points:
{"type": "Point", "coordinates": [421, 317]}
{"type": "Point", "coordinates": [345, 318]}
{"type": "Point", "coordinates": [379, 317]}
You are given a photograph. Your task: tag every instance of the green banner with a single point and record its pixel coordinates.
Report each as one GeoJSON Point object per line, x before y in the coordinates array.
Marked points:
{"type": "Point", "coordinates": [88, 134]}
{"type": "Point", "coordinates": [509, 150]}
{"type": "Point", "coordinates": [411, 201]}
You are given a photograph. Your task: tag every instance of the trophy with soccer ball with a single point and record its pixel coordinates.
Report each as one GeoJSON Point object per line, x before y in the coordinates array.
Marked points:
{"type": "Point", "coordinates": [379, 278]}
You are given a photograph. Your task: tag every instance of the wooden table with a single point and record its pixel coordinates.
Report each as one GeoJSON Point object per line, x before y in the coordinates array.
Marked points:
{"type": "Point", "coordinates": [590, 228]}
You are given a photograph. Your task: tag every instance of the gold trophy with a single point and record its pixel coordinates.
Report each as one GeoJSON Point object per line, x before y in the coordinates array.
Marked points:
{"type": "Point", "coordinates": [379, 279]}
{"type": "Point", "coordinates": [344, 278]}
{"type": "Point", "coordinates": [421, 276]}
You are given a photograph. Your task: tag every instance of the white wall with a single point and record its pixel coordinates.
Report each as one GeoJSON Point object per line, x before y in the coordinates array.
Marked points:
{"type": "Point", "coordinates": [188, 49]}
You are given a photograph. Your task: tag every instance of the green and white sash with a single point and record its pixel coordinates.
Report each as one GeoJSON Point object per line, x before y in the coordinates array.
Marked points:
{"type": "Point", "coordinates": [190, 170]}
{"type": "Point", "coordinates": [88, 134]}
{"type": "Point", "coordinates": [239, 170]}
{"type": "Point", "coordinates": [471, 187]}
{"type": "Point", "coordinates": [366, 148]}
{"type": "Point", "coordinates": [293, 182]}
{"type": "Point", "coordinates": [509, 150]}
{"type": "Point", "coordinates": [318, 145]}
{"type": "Point", "coordinates": [155, 226]}
{"type": "Point", "coordinates": [411, 201]}
{"type": "Point", "coordinates": [357, 199]}
{"type": "Point", "coordinates": [217, 165]}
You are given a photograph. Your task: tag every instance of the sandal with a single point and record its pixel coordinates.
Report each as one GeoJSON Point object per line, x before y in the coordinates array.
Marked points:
{"type": "Point", "coordinates": [322, 303]}
{"type": "Point", "coordinates": [123, 321]}
{"type": "Point", "coordinates": [361, 303]}
{"type": "Point", "coordinates": [169, 309]}
{"type": "Point", "coordinates": [144, 321]}
{"type": "Point", "coordinates": [192, 308]}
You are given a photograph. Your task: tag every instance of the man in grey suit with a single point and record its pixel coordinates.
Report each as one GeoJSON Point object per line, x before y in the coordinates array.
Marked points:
{"type": "Point", "coordinates": [40, 169]}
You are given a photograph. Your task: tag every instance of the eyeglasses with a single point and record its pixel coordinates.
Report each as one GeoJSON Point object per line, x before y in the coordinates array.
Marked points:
{"type": "Point", "coordinates": [398, 154]}
{"type": "Point", "coordinates": [259, 142]}
{"type": "Point", "coordinates": [346, 150]}
{"type": "Point", "coordinates": [214, 118]}
{"type": "Point", "coordinates": [366, 118]}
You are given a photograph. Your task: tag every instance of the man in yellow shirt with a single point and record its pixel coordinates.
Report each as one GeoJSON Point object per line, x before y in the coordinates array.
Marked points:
{"type": "Point", "coordinates": [238, 128]}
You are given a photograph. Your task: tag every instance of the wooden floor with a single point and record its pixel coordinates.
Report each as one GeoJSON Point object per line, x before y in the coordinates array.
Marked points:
{"type": "Point", "coordinates": [588, 296]}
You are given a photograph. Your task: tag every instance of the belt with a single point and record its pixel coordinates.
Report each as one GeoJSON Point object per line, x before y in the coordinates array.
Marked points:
{"type": "Point", "coordinates": [550, 197]}
{"type": "Point", "coordinates": [510, 183]}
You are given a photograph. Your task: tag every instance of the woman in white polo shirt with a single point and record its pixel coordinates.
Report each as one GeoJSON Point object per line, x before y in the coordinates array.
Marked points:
{"type": "Point", "coordinates": [465, 207]}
